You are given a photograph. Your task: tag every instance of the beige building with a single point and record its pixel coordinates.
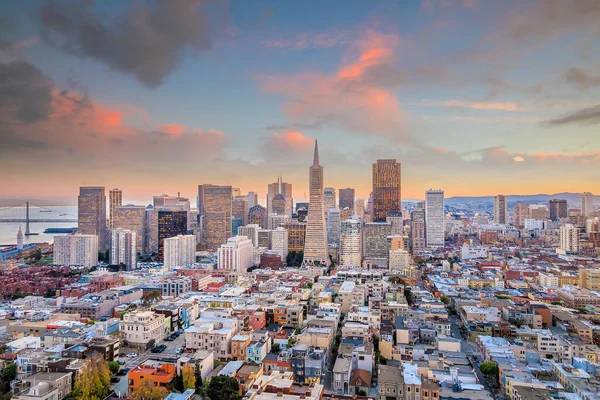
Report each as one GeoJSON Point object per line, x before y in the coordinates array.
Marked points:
{"type": "Point", "coordinates": [46, 386]}
{"type": "Point", "coordinates": [140, 327]}
{"type": "Point", "coordinates": [215, 211]}
{"type": "Point", "coordinates": [589, 279]}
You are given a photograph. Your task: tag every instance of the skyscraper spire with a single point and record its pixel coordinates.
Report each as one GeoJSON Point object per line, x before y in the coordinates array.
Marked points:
{"type": "Point", "coordinates": [316, 156]}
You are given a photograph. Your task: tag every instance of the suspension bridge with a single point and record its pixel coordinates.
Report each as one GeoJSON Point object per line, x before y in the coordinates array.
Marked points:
{"type": "Point", "coordinates": [28, 212]}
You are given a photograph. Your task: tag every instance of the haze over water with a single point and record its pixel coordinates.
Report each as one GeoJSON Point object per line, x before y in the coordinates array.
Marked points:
{"type": "Point", "coordinates": [8, 230]}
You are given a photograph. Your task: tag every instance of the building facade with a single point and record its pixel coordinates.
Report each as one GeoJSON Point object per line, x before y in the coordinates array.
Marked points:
{"type": "Point", "coordinates": [179, 251]}
{"type": "Point", "coordinates": [214, 214]}
{"type": "Point", "coordinates": [123, 248]}
{"type": "Point", "coordinates": [235, 255]}
{"type": "Point", "coordinates": [351, 242]}
{"type": "Point", "coordinates": [434, 218]}
{"type": "Point", "coordinates": [76, 250]}
{"type": "Point", "coordinates": [115, 199]}
{"type": "Point", "coordinates": [170, 223]}
{"type": "Point", "coordinates": [91, 214]}
{"type": "Point", "coordinates": [386, 189]}
{"type": "Point", "coordinates": [500, 209]}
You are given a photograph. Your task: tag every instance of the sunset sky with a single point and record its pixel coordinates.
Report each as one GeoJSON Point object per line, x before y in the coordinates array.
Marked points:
{"type": "Point", "coordinates": [473, 97]}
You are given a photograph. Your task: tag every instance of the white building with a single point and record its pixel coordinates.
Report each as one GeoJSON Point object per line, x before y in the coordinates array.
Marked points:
{"type": "Point", "coordinates": [351, 242]}
{"type": "Point", "coordinates": [587, 204]}
{"type": "Point", "coordinates": [547, 280]}
{"type": "Point", "coordinates": [279, 242]}
{"type": "Point", "coordinates": [472, 252]}
{"type": "Point", "coordinates": [569, 238]}
{"type": "Point", "coordinates": [434, 218]}
{"type": "Point", "coordinates": [533, 224]}
{"type": "Point", "coordinates": [179, 251]}
{"type": "Point", "coordinates": [236, 254]}
{"type": "Point", "coordinates": [276, 221]}
{"type": "Point", "coordinates": [251, 232]}
{"type": "Point", "coordinates": [140, 327]}
{"type": "Point", "coordinates": [399, 259]}
{"type": "Point", "coordinates": [76, 250]}
{"type": "Point", "coordinates": [123, 248]}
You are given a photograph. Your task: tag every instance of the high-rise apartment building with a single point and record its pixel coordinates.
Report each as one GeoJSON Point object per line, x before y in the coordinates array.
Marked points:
{"type": "Point", "coordinates": [258, 215]}
{"type": "Point", "coordinates": [170, 223]}
{"type": "Point", "coordinates": [346, 198]}
{"type": "Point", "coordinates": [558, 209]}
{"type": "Point", "coordinates": [351, 243]}
{"type": "Point", "coordinates": [252, 198]}
{"type": "Point", "coordinates": [520, 214]}
{"type": "Point", "coordinates": [296, 233]}
{"type": "Point", "coordinates": [214, 212]}
{"type": "Point", "coordinates": [284, 189]}
{"type": "Point", "coordinates": [587, 204]}
{"type": "Point", "coordinates": [123, 248]}
{"type": "Point", "coordinates": [251, 232]}
{"type": "Point", "coordinates": [235, 255]}
{"type": "Point", "coordinates": [386, 189]}
{"type": "Point", "coordinates": [333, 226]}
{"type": "Point", "coordinates": [328, 198]}
{"type": "Point", "coordinates": [131, 218]}
{"type": "Point", "coordinates": [538, 212]}
{"type": "Point", "coordinates": [115, 199]}
{"type": "Point", "coordinates": [315, 246]}
{"type": "Point", "coordinates": [569, 238]}
{"type": "Point", "coordinates": [500, 209]}
{"type": "Point", "coordinates": [434, 218]}
{"type": "Point", "coordinates": [417, 230]}
{"type": "Point", "coordinates": [91, 214]}
{"type": "Point", "coordinates": [180, 251]}
{"type": "Point", "coordinates": [279, 242]}
{"type": "Point", "coordinates": [76, 250]}
{"type": "Point", "coordinates": [239, 209]}
{"type": "Point", "coordinates": [375, 243]}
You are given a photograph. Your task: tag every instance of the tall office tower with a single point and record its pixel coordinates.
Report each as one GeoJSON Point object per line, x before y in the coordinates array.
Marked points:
{"type": "Point", "coordinates": [434, 218]}
{"type": "Point", "coordinates": [76, 250]}
{"type": "Point", "coordinates": [558, 209]}
{"type": "Point", "coordinates": [587, 204]}
{"type": "Point", "coordinates": [328, 198]}
{"type": "Point", "coordinates": [123, 248]}
{"type": "Point", "coordinates": [279, 205]}
{"type": "Point", "coordinates": [264, 238]}
{"type": "Point", "coordinates": [369, 210]}
{"type": "Point", "coordinates": [239, 209]}
{"type": "Point", "coordinates": [351, 240]}
{"type": "Point", "coordinates": [180, 251]}
{"type": "Point", "coordinates": [346, 213]}
{"type": "Point", "coordinates": [252, 198]}
{"type": "Point", "coordinates": [131, 218]}
{"type": "Point", "coordinates": [235, 255]}
{"type": "Point", "coordinates": [538, 212]}
{"type": "Point", "coordinates": [214, 211]}
{"type": "Point", "coordinates": [569, 238]}
{"type": "Point", "coordinates": [520, 214]}
{"type": "Point", "coordinates": [275, 221]}
{"type": "Point", "coordinates": [115, 199]}
{"type": "Point", "coordinates": [91, 214]}
{"type": "Point", "coordinates": [251, 232]}
{"type": "Point", "coordinates": [315, 245]}
{"type": "Point", "coordinates": [417, 230]}
{"type": "Point", "coordinates": [258, 215]}
{"type": "Point", "coordinates": [296, 233]}
{"type": "Point", "coordinates": [375, 243]}
{"type": "Point", "coordinates": [346, 198]}
{"type": "Point", "coordinates": [279, 242]}
{"type": "Point", "coordinates": [174, 203]}
{"type": "Point", "coordinates": [150, 242]}
{"type": "Point", "coordinates": [500, 209]}
{"type": "Point", "coordinates": [170, 223]}
{"type": "Point", "coordinates": [396, 220]}
{"type": "Point", "coordinates": [359, 208]}
{"type": "Point", "coordinates": [334, 221]}
{"type": "Point", "coordinates": [386, 189]}
{"type": "Point", "coordinates": [285, 189]}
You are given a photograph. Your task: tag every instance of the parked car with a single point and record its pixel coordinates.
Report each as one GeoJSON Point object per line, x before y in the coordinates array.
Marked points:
{"type": "Point", "coordinates": [170, 339]}
{"type": "Point", "coordinates": [131, 355]}
{"type": "Point", "coordinates": [180, 350]}
{"type": "Point", "coordinates": [121, 362]}
{"type": "Point", "coordinates": [180, 332]}
{"type": "Point", "coordinates": [115, 379]}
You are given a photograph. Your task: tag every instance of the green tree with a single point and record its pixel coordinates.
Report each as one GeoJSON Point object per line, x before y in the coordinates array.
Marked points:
{"type": "Point", "coordinates": [94, 381]}
{"type": "Point", "coordinates": [113, 367]}
{"type": "Point", "coordinates": [199, 383]}
{"type": "Point", "coordinates": [445, 300]}
{"type": "Point", "coordinates": [223, 388]}
{"type": "Point", "coordinates": [489, 368]}
{"type": "Point", "coordinates": [189, 378]}
{"type": "Point", "coordinates": [151, 298]}
{"type": "Point", "coordinates": [9, 372]}
{"type": "Point", "coordinates": [276, 348]}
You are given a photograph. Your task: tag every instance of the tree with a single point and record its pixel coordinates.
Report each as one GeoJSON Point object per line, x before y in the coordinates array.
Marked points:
{"type": "Point", "coordinates": [9, 372]}
{"type": "Point", "coordinates": [445, 300]}
{"type": "Point", "coordinates": [94, 381]}
{"type": "Point", "coordinates": [223, 388]}
{"type": "Point", "coordinates": [113, 367]}
{"type": "Point", "coordinates": [489, 368]}
{"type": "Point", "coordinates": [291, 342]}
{"type": "Point", "coordinates": [146, 390]}
{"type": "Point", "coordinates": [362, 392]}
{"type": "Point", "coordinates": [198, 374]}
{"type": "Point", "coordinates": [151, 298]}
{"type": "Point", "coordinates": [276, 348]}
{"type": "Point", "coordinates": [189, 378]}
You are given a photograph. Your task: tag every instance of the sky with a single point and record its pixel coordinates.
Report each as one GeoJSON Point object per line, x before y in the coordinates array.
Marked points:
{"type": "Point", "coordinates": [472, 97]}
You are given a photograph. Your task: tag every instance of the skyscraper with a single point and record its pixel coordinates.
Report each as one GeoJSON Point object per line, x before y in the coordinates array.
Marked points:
{"type": "Point", "coordinates": [351, 243]}
{"type": "Point", "coordinates": [500, 209]}
{"type": "Point", "coordinates": [80, 250]}
{"type": "Point", "coordinates": [214, 211]}
{"type": "Point", "coordinates": [91, 214]}
{"type": "Point", "coordinates": [386, 189]}
{"type": "Point", "coordinates": [333, 226]}
{"type": "Point", "coordinates": [569, 238]}
{"type": "Point", "coordinates": [235, 254]}
{"type": "Point", "coordinates": [252, 199]}
{"type": "Point", "coordinates": [132, 218]}
{"type": "Point", "coordinates": [174, 203]}
{"type": "Point", "coordinates": [170, 223]}
{"type": "Point", "coordinates": [417, 230]}
{"type": "Point", "coordinates": [284, 189]}
{"type": "Point", "coordinates": [328, 198]}
{"type": "Point", "coordinates": [279, 205]}
{"type": "Point", "coordinates": [123, 248]}
{"type": "Point", "coordinates": [251, 232]}
{"type": "Point", "coordinates": [346, 198]}
{"type": "Point", "coordinates": [558, 209]}
{"type": "Point", "coordinates": [279, 242]}
{"type": "Point", "coordinates": [115, 197]}
{"type": "Point", "coordinates": [434, 218]}
{"type": "Point", "coordinates": [239, 209]}
{"type": "Point", "coordinates": [315, 246]}
{"type": "Point", "coordinates": [258, 215]}
{"type": "Point", "coordinates": [520, 214]}
{"type": "Point", "coordinates": [587, 204]}
{"type": "Point", "coordinates": [375, 243]}
{"type": "Point", "coordinates": [179, 251]}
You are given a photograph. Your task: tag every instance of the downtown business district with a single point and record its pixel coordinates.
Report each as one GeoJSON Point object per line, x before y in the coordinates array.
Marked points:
{"type": "Point", "coordinates": [345, 299]}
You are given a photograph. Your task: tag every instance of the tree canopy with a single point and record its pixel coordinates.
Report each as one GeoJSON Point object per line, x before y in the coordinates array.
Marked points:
{"type": "Point", "coordinates": [94, 381]}
{"type": "Point", "coordinates": [223, 388]}
{"type": "Point", "coordinates": [147, 391]}
{"type": "Point", "coordinates": [488, 368]}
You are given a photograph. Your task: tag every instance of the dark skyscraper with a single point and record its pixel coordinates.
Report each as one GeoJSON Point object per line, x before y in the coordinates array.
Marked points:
{"type": "Point", "coordinates": [386, 189]}
{"type": "Point", "coordinates": [258, 215]}
{"type": "Point", "coordinates": [91, 211]}
{"type": "Point", "coordinates": [346, 198]}
{"type": "Point", "coordinates": [170, 224]}
{"type": "Point", "coordinates": [558, 209]}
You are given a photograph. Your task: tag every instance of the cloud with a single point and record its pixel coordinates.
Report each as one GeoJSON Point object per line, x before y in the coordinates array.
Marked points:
{"type": "Point", "coordinates": [483, 105]}
{"type": "Point", "coordinates": [148, 40]}
{"type": "Point", "coordinates": [581, 78]}
{"type": "Point", "coordinates": [588, 116]}
{"type": "Point", "coordinates": [518, 159]}
{"type": "Point", "coordinates": [299, 41]}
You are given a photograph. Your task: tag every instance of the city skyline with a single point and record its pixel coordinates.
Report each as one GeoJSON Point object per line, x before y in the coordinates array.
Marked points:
{"type": "Point", "coordinates": [487, 100]}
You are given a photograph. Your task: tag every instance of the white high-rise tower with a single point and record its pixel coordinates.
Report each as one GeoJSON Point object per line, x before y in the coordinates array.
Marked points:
{"type": "Point", "coordinates": [315, 244]}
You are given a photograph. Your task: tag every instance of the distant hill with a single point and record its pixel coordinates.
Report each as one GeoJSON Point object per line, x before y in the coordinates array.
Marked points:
{"type": "Point", "coordinates": [572, 198]}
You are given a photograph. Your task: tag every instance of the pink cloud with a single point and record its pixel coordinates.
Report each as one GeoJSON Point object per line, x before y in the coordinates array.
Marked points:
{"type": "Point", "coordinates": [483, 105]}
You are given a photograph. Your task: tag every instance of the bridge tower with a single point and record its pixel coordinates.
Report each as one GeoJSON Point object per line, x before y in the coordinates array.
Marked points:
{"type": "Point", "coordinates": [27, 232]}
